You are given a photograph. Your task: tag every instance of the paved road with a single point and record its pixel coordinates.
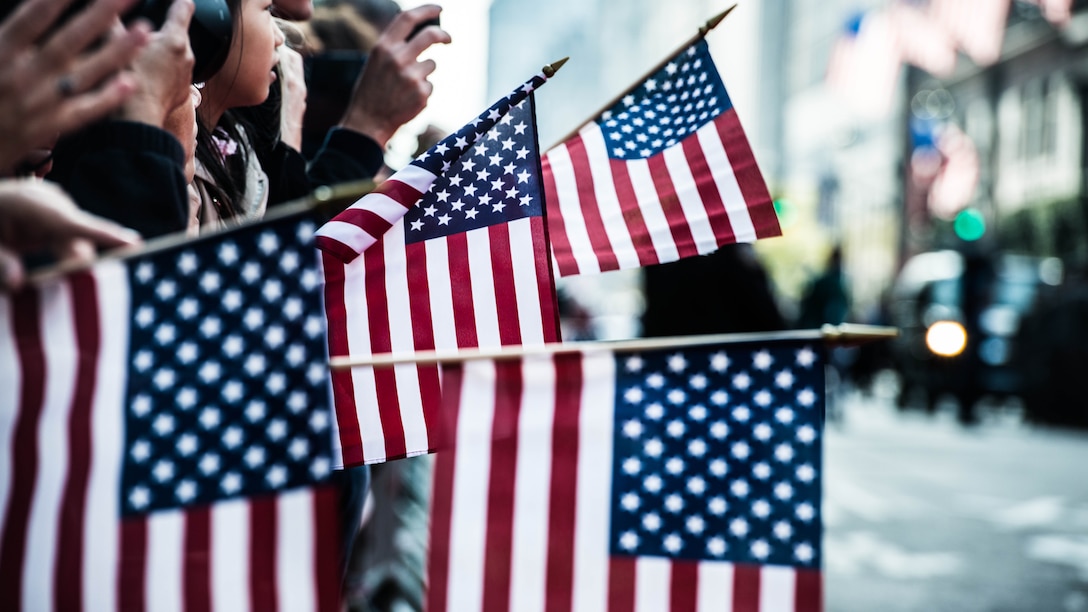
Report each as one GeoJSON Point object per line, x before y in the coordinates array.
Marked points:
{"type": "Point", "coordinates": [922, 515]}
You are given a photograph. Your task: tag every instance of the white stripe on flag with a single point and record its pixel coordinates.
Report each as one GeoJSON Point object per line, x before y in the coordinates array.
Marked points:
{"type": "Point", "coordinates": [295, 551]}
{"type": "Point", "coordinates": [776, 588]}
{"type": "Point", "coordinates": [101, 529]}
{"type": "Point", "coordinates": [484, 305]}
{"type": "Point", "coordinates": [529, 555]}
{"type": "Point", "coordinates": [607, 199]}
{"type": "Point", "coordinates": [468, 525]}
{"type": "Point", "coordinates": [402, 339]}
{"type": "Point", "coordinates": [526, 285]}
{"type": "Point", "coordinates": [570, 209]}
{"type": "Point", "coordinates": [58, 330]}
{"type": "Point", "coordinates": [652, 213]}
{"type": "Point", "coordinates": [358, 332]}
{"type": "Point", "coordinates": [594, 485]}
{"type": "Point", "coordinates": [440, 288]}
{"type": "Point", "coordinates": [653, 576]}
{"type": "Point", "coordinates": [415, 177]}
{"type": "Point", "coordinates": [230, 545]}
{"type": "Point", "coordinates": [715, 588]}
{"type": "Point", "coordinates": [11, 373]}
{"type": "Point", "coordinates": [165, 551]}
{"type": "Point", "coordinates": [690, 201]}
{"type": "Point", "coordinates": [726, 180]}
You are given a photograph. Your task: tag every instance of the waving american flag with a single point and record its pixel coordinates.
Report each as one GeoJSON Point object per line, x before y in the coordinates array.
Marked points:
{"type": "Point", "coordinates": [665, 173]}
{"type": "Point", "coordinates": [464, 265]}
{"type": "Point", "coordinates": [675, 479]}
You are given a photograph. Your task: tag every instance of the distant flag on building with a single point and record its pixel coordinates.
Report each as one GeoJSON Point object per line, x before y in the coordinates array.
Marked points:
{"type": "Point", "coordinates": [666, 173]}
{"type": "Point", "coordinates": [677, 479]}
{"type": "Point", "coordinates": [865, 63]}
{"type": "Point", "coordinates": [957, 177]}
{"type": "Point", "coordinates": [977, 26]}
{"type": "Point", "coordinates": [166, 426]}
{"type": "Point", "coordinates": [464, 265]}
{"type": "Point", "coordinates": [922, 42]}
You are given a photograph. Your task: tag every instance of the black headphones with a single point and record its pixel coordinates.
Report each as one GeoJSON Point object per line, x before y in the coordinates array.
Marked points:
{"type": "Point", "coordinates": [210, 31]}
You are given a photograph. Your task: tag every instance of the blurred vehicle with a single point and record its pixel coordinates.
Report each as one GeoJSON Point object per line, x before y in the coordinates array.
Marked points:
{"type": "Point", "coordinates": [959, 318]}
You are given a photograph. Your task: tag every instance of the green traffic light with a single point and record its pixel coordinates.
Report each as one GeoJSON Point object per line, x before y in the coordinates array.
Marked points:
{"type": "Point", "coordinates": [969, 225]}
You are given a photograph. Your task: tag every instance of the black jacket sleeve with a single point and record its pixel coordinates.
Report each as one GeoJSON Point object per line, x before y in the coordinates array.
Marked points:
{"type": "Point", "coordinates": [129, 172]}
{"type": "Point", "coordinates": [344, 157]}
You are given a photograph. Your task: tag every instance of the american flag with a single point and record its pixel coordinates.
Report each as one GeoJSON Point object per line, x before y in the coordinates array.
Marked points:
{"type": "Point", "coordinates": [865, 64]}
{"type": "Point", "coordinates": [166, 421]}
{"type": "Point", "coordinates": [977, 26]}
{"type": "Point", "coordinates": [665, 173]}
{"type": "Point", "coordinates": [466, 266]}
{"type": "Point", "coordinates": [678, 479]}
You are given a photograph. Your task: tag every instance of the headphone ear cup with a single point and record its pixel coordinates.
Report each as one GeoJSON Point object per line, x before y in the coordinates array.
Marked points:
{"type": "Point", "coordinates": [210, 33]}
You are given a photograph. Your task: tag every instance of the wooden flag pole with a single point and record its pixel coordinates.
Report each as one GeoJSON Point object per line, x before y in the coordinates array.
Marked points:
{"type": "Point", "coordinates": [845, 334]}
{"type": "Point", "coordinates": [332, 198]}
{"type": "Point", "coordinates": [706, 27]}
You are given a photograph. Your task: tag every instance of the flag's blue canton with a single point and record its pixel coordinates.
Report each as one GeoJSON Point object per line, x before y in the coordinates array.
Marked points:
{"type": "Point", "coordinates": [673, 103]}
{"type": "Point", "coordinates": [494, 181]}
{"type": "Point", "coordinates": [227, 393]}
{"type": "Point", "coordinates": [717, 455]}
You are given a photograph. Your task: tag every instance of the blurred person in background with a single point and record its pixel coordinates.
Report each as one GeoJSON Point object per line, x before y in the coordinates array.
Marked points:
{"type": "Point", "coordinates": [726, 291]}
{"type": "Point", "coordinates": [826, 300]}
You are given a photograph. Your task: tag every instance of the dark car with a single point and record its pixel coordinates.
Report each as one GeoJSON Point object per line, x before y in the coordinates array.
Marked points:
{"type": "Point", "coordinates": [959, 317]}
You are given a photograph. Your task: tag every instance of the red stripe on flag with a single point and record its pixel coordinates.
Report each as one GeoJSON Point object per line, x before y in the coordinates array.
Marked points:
{"type": "Point", "coordinates": [561, 248]}
{"type": "Point", "coordinates": [438, 561]}
{"type": "Point", "coordinates": [385, 379]}
{"type": "Point", "coordinates": [502, 273]}
{"type": "Point", "coordinates": [749, 178]}
{"type": "Point", "coordinates": [683, 585]}
{"type": "Point", "coordinates": [670, 204]}
{"type": "Point", "coordinates": [549, 312]}
{"type": "Point", "coordinates": [501, 485]}
{"type": "Point", "coordinates": [69, 568]}
{"type": "Point", "coordinates": [26, 328]}
{"type": "Point", "coordinates": [327, 538]}
{"type": "Point", "coordinates": [621, 584]}
{"type": "Point", "coordinates": [196, 569]}
{"type": "Point", "coordinates": [402, 193]}
{"type": "Point", "coordinates": [343, 387]}
{"type": "Point", "coordinates": [341, 251]}
{"type": "Point", "coordinates": [132, 565]}
{"type": "Point", "coordinates": [587, 203]}
{"type": "Point", "coordinates": [809, 591]}
{"type": "Point", "coordinates": [419, 296]}
{"type": "Point", "coordinates": [708, 190]}
{"type": "Point", "coordinates": [366, 220]}
{"type": "Point", "coordinates": [464, 310]}
{"type": "Point", "coordinates": [262, 553]}
{"type": "Point", "coordinates": [746, 587]}
{"type": "Point", "coordinates": [559, 585]}
{"type": "Point", "coordinates": [632, 214]}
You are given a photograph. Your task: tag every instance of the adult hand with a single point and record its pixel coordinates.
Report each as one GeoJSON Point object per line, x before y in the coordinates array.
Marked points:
{"type": "Point", "coordinates": [38, 216]}
{"type": "Point", "coordinates": [54, 80]}
{"type": "Point", "coordinates": [164, 70]}
{"type": "Point", "coordinates": [294, 96]}
{"type": "Point", "coordinates": [393, 87]}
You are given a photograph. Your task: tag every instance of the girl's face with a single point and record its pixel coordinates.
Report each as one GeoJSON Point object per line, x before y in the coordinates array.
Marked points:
{"type": "Point", "coordinates": [247, 73]}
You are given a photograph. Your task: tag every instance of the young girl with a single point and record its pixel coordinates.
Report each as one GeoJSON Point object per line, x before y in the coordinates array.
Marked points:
{"type": "Point", "coordinates": [229, 178]}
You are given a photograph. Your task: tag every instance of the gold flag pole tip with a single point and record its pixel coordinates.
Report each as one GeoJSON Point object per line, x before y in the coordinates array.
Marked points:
{"type": "Point", "coordinates": [714, 21]}
{"type": "Point", "coordinates": [552, 68]}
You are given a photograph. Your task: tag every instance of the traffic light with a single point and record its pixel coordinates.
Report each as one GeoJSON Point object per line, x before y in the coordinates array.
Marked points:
{"type": "Point", "coordinates": [969, 225]}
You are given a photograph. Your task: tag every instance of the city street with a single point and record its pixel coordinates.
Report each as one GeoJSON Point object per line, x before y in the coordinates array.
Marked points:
{"type": "Point", "coordinates": [923, 515]}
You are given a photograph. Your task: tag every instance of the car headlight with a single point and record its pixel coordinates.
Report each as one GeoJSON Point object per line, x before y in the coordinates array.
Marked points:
{"type": "Point", "coordinates": [946, 338]}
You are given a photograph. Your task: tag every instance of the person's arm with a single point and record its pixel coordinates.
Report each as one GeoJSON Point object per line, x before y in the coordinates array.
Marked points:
{"type": "Point", "coordinates": [37, 216]}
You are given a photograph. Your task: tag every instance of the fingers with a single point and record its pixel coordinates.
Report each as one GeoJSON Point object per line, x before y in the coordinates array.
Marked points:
{"type": "Point", "coordinates": [93, 105]}
{"type": "Point", "coordinates": [88, 26]}
{"type": "Point", "coordinates": [406, 21]}
{"type": "Point", "coordinates": [27, 23]}
{"type": "Point", "coordinates": [117, 54]}
{"type": "Point", "coordinates": [427, 36]}
{"type": "Point", "coordinates": [177, 20]}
